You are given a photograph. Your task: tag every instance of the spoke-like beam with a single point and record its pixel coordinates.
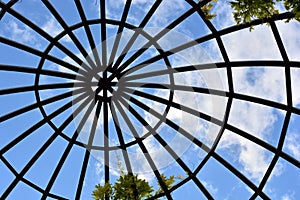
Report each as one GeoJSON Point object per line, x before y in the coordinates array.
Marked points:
{"type": "Point", "coordinates": [88, 32]}
{"type": "Point", "coordinates": [164, 144]}
{"type": "Point", "coordinates": [42, 55]}
{"type": "Point", "coordinates": [43, 148]}
{"type": "Point", "coordinates": [136, 34]}
{"type": "Point", "coordinates": [119, 33]}
{"type": "Point", "coordinates": [70, 144]}
{"type": "Point", "coordinates": [41, 87]}
{"type": "Point", "coordinates": [120, 137]}
{"type": "Point", "coordinates": [140, 143]}
{"type": "Point", "coordinates": [167, 121]}
{"type": "Point", "coordinates": [29, 70]}
{"type": "Point", "coordinates": [155, 38]}
{"type": "Point", "coordinates": [70, 33]}
{"type": "Point", "coordinates": [42, 103]}
{"type": "Point", "coordinates": [44, 34]}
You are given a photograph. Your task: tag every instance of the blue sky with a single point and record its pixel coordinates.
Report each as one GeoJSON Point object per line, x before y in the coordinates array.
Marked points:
{"type": "Point", "coordinates": [262, 122]}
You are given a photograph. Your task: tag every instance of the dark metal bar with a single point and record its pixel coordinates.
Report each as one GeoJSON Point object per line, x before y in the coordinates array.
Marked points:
{"type": "Point", "coordinates": [70, 145]}
{"type": "Point", "coordinates": [106, 140]}
{"type": "Point", "coordinates": [71, 34]}
{"type": "Point", "coordinates": [286, 62]}
{"type": "Point", "coordinates": [46, 72]}
{"type": "Point", "coordinates": [38, 154]}
{"type": "Point", "coordinates": [88, 33]}
{"type": "Point", "coordinates": [135, 35]}
{"type": "Point", "coordinates": [9, 4]}
{"type": "Point", "coordinates": [36, 105]}
{"type": "Point", "coordinates": [164, 144]}
{"type": "Point", "coordinates": [141, 145]}
{"type": "Point", "coordinates": [125, 75]}
{"type": "Point", "coordinates": [41, 87]}
{"type": "Point", "coordinates": [120, 137]}
{"type": "Point", "coordinates": [206, 38]}
{"type": "Point", "coordinates": [243, 97]}
{"type": "Point", "coordinates": [41, 54]}
{"type": "Point", "coordinates": [276, 157]}
{"type": "Point", "coordinates": [251, 138]}
{"type": "Point", "coordinates": [175, 105]}
{"type": "Point", "coordinates": [46, 36]}
{"type": "Point", "coordinates": [82, 174]}
{"type": "Point", "coordinates": [198, 67]}
{"type": "Point", "coordinates": [155, 38]}
{"type": "Point", "coordinates": [290, 159]}
{"type": "Point", "coordinates": [167, 121]}
{"type": "Point", "coordinates": [288, 114]}
{"type": "Point", "coordinates": [34, 128]}
{"type": "Point", "coordinates": [238, 174]}
{"type": "Point", "coordinates": [103, 34]}
{"type": "Point", "coordinates": [119, 33]}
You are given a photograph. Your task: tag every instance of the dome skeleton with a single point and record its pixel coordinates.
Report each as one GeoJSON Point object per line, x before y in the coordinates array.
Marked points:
{"type": "Point", "coordinates": [104, 102]}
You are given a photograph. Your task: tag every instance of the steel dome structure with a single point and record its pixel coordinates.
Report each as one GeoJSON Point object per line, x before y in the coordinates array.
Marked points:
{"type": "Point", "coordinates": [91, 88]}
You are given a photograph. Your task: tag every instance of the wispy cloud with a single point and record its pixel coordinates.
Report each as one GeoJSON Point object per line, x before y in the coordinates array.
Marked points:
{"type": "Point", "coordinates": [288, 196]}
{"type": "Point", "coordinates": [295, 77]}
{"type": "Point", "coordinates": [258, 82]}
{"type": "Point", "coordinates": [289, 33]}
{"type": "Point", "coordinates": [52, 27]}
{"type": "Point", "coordinates": [21, 33]}
{"type": "Point", "coordinates": [213, 190]}
{"type": "Point", "coordinates": [293, 144]}
{"type": "Point", "coordinates": [167, 12]}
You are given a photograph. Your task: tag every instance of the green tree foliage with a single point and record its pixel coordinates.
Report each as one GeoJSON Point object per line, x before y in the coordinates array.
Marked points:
{"type": "Point", "coordinates": [207, 10]}
{"type": "Point", "coordinates": [244, 11]}
{"type": "Point", "coordinates": [102, 191]}
{"type": "Point", "coordinates": [247, 10]}
{"type": "Point", "coordinates": [294, 7]}
{"type": "Point", "coordinates": [130, 187]}
{"type": "Point", "coordinates": [168, 182]}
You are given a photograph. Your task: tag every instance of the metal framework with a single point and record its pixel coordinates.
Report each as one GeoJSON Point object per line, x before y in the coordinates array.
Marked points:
{"type": "Point", "coordinates": [124, 101]}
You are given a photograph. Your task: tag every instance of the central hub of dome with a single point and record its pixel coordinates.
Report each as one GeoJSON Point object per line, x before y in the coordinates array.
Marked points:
{"type": "Point", "coordinates": [106, 87]}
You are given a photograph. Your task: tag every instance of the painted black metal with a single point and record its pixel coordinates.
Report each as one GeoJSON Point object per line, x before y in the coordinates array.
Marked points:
{"type": "Point", "coordinates": [119, 69]}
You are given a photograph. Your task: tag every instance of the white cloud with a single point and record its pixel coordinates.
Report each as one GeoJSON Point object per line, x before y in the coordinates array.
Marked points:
{"type": "Point", "coordinates": [266, 83]}
{"type": "Point", "coordinates": [224, 16]}
{"type": "Point", "coordinates": [213, 190]}
{"type": "Point", "coordinates": [253, 159]}
{"type": "Point", "coordinates": [252, 118]}
{"type": "Point", "coordinates": [288, 196]}
{"type": "Point", "coordinates": [99, 170]}
{"type": "Point", "coordinates": [21, 33]}
{"type": "Point", "coordinates": [258, 44]}
{"type": "Point", "coordinates": [138, 8]}
{"type": "Point", "coordinates": [169, 9]}
{"type": "Point", "coordinates": [293, 145]}
{"type": "Point", "coordinates": [289, 33]}
{"type": "Point", "coordinates": [167, 12]}
{"type": "Point", "coordinates": [53, 28]}
{"type": "Point", "coordinates": [295, 78]}
{"type": "Point", "coordinates": [114, 9]}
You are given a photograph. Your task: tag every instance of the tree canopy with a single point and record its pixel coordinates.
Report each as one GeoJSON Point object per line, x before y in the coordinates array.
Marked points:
{"type": "Point", "coordinates": [244, 11]}
{"type": "Point", "coordinates": [130, 187]}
